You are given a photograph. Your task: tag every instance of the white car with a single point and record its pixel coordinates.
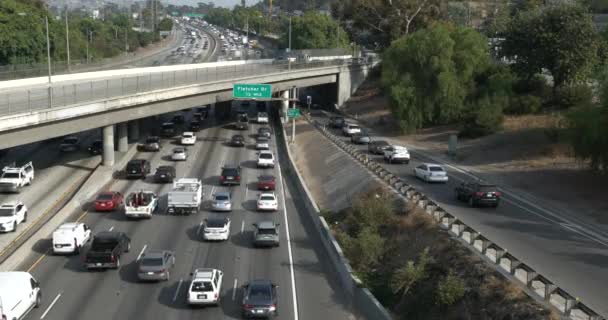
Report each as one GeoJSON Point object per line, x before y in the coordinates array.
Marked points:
{"type": "Point", "coordinates": [222, 201]}
{"type": "Point", "coordinates": [179, 154]}
{"type": "Point", "coordinates": [205, 287]}
{"type": "Point", "coordinates": [12, 214]}
{"type": "Point", "coordinates": [349, 129]}
{"type": "Point", "coordinates": [396, 154]}
{"type": "Point", "coordinates": [216, 229]}
{"type": "Point", "coordinates": [430, 172]}
{"type": "Point", "coordinates": [265, 159]}
{"type": "Point", "coordinates": [262, 143]}
{"type": "Point", "coordinates": [267, 201]}
{"type": "Point", "coordinates": [262, 117]}
{"type": "Point", "coordinates": [188, 138]}
{"type": "Point", "coordinates": [70, 237]}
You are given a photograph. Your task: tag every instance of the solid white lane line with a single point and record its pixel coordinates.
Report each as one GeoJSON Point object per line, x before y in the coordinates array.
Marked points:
{"type": "Point", "coordinates": [212, 191]}
{"type": "Point", "coordinates": [111, 228]}
{"type": "Point", "coordinates": [242, 226]}
{"type": "Point", "coordinates": [142, 252]}
{"type": "Point", "coordinates": [234, 289]}
{"type": "Point", "coordinates": [50, 306]}
{"type": "Point", "coordinates": [292, 273]}
{"type": "Point", "coordinates": [198, 230]}
{"type": "Point", "coordinates": [179, 285]}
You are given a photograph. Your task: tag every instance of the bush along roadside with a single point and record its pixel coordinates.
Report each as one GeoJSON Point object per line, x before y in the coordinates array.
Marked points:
{"type": "Point", "coordinates": [417, 270]}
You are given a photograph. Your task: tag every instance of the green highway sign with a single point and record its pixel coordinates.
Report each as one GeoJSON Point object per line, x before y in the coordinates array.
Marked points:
{"type": "Point", "coordinates": [252, 91]}
{"type": "Point", "coordinates": [293, 113]}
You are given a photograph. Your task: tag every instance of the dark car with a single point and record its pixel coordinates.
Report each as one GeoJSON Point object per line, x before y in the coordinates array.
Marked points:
{"type": "Point", "coordinates": [242, 122]}
{"type": "Point", "coordinates": [260, 299]}
{"type": "Point", "coordinates": [264, 132]}
{"type": "Point", "coordinates": [167, 129]}
{"type": "Point", "coordinates": [195, 125]}
{"type": "Point", "coordinates": [377, 146]}
{"type": "Point", "coordinates": [152, 144]}
{"type": "Point", "coordinates": [69, 144]}
{"type": "Point", "coordinates": [230, 175]}
{"type": "Point", "coordinates": [106, 249]}
{"type": "Point", "coordinates": [478, 194]}
{"type": "Point", "coordinates": [237, 140]}
{"type": "Point", "coordinates": [336, 122]}
{"type": "Point", "coordinates": [96, 147]}
{"type": "Point", "coordinates": [155, 265]}
{"type": "Point", "coordinates": [179, 118]}
{"type": "Point", "coordinates": [266, 182]}
{"type": "Point", "coordinates": [360, 138]}
{"type": "Point", "coordinates": [197, 116]}
{"type": "Point", "coordinates": [164, 174]}
{"type": "Point", "coordinates": [137, 168]}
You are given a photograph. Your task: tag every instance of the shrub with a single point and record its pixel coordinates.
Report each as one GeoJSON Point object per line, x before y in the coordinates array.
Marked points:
{"type": "Point", "coordinates": [524, 104]}
{"type": "Point", "coordinates": [485, 118]}
{"type": "Point", "coordinates": [450, 289]}
{"type": "Point", "coordinates": [573, 96]}
{"type": "Point", "coordinates": [537, 86]}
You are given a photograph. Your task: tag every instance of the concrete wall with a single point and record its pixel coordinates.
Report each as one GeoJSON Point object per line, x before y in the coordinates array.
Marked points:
{"type": "Point", "coordinates": [349, 81]}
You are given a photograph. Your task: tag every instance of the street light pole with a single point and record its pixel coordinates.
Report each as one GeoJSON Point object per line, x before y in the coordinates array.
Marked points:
{"type": "Point", "coordinates": [289, 47]}
{"type": "Point", "coordinates": [48, 59]}
{"type": "Point", "coordinates": [67, 38]}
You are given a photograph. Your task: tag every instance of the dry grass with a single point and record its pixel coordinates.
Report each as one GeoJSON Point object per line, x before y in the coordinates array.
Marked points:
{"type": "Point", "coordinates": [531, 121]}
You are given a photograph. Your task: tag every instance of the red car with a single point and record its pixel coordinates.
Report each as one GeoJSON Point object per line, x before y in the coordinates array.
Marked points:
{"type": "Point", "coordinates": [108, 201]}
{"type": "Point", "coordinates": [266, 182]}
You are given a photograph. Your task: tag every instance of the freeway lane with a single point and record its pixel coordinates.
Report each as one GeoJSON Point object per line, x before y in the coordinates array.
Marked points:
{"type": "Point", "coordinates": [116, 294]}
{"type": "Point", "coordinates": [563, 249]}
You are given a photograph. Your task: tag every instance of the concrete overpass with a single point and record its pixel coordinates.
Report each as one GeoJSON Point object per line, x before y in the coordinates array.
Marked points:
{"type": "Point", "coordinates": [31, 110]}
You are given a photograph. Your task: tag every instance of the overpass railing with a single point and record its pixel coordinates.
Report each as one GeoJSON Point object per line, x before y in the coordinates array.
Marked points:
{"type": "Point", "coordinates": [61, 95]}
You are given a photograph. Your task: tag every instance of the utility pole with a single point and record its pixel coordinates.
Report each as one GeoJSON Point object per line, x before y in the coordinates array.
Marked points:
{"type": "Point", "coordinates": [289, 47]}
{"type": "Point", "coordinates": [48, 59]}
{"type": "Point", "coordinates": [67, 37]}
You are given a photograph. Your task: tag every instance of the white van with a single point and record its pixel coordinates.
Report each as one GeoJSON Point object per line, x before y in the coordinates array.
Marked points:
{"type": "Point", "coordinates": [19, 293]}
{"type": "Point", "coordinates": [70, 237]}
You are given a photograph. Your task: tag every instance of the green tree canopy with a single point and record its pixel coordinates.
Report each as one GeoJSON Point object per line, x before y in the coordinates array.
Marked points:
{"type": "Point", "coordinates": [314, 30]}
{"type": "Point", "coordinates": [165, 24]}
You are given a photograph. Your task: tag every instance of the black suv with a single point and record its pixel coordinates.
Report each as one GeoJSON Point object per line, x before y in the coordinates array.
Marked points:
{"type": "Point", "coordinates": [242, 121]}
{"type": "Point", "coordinates": [96, 147]}
{"type": "Point", "coordinates": [195, 125]}
{"type": "Point", "coordinates": [336, 122]}
{"type": "Point", "coordinates": [164, 174]}
{"type": "Point", "coordinates": [377, 146]}
{"type": "Point", "coordinates": [260, 299]}
{"type": "Point", "coordinates": [237, 141]}
{"type": "Point", "coordinates": [478, 194]}
{"type": "Point", "coordinates": [137, 168]}
{"type": "Point", "coordinates": [167, 129]}
{"type": "Point", "coordinates": [231, 175]}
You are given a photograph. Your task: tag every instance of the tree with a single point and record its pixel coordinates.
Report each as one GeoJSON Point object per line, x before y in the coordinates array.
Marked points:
{"type": "Point", "coordinates": [405, 278]}
{"type": "Point", "coordinates": [315, 31]}
{"type": "Point", "coordinates": [561, 39]}
{"type": "Point", "coordinates": [450, 289]}
{"type": "Point", "coordinates": [165, 24]}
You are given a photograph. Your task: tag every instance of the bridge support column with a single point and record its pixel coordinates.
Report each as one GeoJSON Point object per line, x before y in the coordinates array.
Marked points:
{"type": "Point", "coordinates": [123, 137]}
{"type": "Point", "coordinates": [134, 130]}
{"type": "Point", "coordinates": [285, 104]}
{"type": "Point", "coordinates": [108, 146]}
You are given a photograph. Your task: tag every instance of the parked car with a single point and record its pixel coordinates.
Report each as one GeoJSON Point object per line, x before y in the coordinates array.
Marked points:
{"type": "Point", "coordinates": [230, 175]}
{"type": "Point", "coordinates": [350, 128]}
{"type": "Point", "coordinates": [262, 143]}
{"type": "Point", "coordinates": [360, 138]}
{"type": "Point", "coordinates": [69, 144]}
{"type": "Point", "coordinates": [96, 147]}
{"type": "Point", "coordinates": [152, 143]}
{"type": "Point", "coordinates": [430, 172]}
{"type": "Point", "coordinates": [266, 182]}
{"type": "Point", "coordinates": [217, 228]}
{"type": "Point", "coordinates": [262, 117]}
{"type": "Point", "coordinates": [137, 168]}
{"type": "Point", "coordinates": [188, 138]}
{"type": "Point", "coordinates": [167, 129]}
{"type": "Point", "coordinates": [108, 201]}
{"type": "Point", "coordinates": [155, 265]}
{"type": "Point", "coordinates": [237, 140]}
{"type": "Point", "coordinates": [19, 294]}
{"type": "Point", "coordinates": [396, 154]}
{"type": "Point", "coordinates": [336, 122]}
{"type": "Point", "coordinates": [260, 299]}
{"type": "Point", "coordinates": [267, 201]}
{"type": "Point", "coordinates": [478, 194]}
{"type": "Point", "coordinates": [70, 237]}
{"type": "Point", "coordinates": [377, 146]}
{"type": "Point", "coordinates": [222, 201]}
{"type": "Point", "coordinates": [266, 234]}
{"type": "Point", "coordinates": [265, 159]}
{"type": "Point", "coordinates": [12, 214]}
{"type": "Point", "coordinates": [106, 250]}
{"type": "Point", "coordinates": [205, 287]}
{"type": "Point", "coordinates": [179, 154]}
{"type": "Point", "coordinates": [264, 132]}
{"type": "Point", "coordinates": [164, 174]}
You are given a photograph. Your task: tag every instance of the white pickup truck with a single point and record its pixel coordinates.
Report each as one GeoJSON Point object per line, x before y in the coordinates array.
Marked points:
{"type": "Point", "coordinates": [15, 178]}
{"type": "Point", "coordinates": [186, 196]}
{"type": "Point", "coordinates": [141, 204]}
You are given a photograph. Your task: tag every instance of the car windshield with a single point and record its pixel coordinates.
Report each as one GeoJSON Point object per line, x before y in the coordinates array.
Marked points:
{"type": "Point", "coordinates": [221, 197]}
{"type": "Point", "coordinates": [262, 139]}
{"type": "Point", "coordinates": [230, 172]}
{"type": "Point", "coordinates": [6, 212]}
{"type": "Point", "coordinates": [267, 198]}
{"type": "Point", "coordinates": [267, 231]}
{"type": "Point", "coordinates": [11, 175]}
{"type": "Point", "coordinates": [259, 292]}
{"type": "Point", "coordinates": [104, 197]}
{"type": "Point", "coordinates": [152, 262]}
{"type": "Point", "coordinates": [187, 135]}
{"type": "Point", "coordinates": [266, 178]}
{"type": "Point", "coordinates": [70, 140]}
{"type": "Point", "coordinates": [436, 169]}
{"type": "Point", "coordinates": [179, 150]}
{"type": "Point", "coordinates": [133, 166]}
{"type": "Point", "coordinates": [201, 286]}
{"type": "Point", "coordinates": [215, 223]}
{"type": "Point", "coordinates": [487, 188]}
{"type": "Point", "coordinates": [265, 156]}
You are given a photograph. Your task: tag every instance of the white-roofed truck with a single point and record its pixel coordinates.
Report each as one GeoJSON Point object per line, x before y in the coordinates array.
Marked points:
{"type": "Point", "coordinates": [186, 196]}
{"type": "Point", "coordinates": [141, 204]}
{"type": "Point", "coordinates": [15, 178]}
{"type": "Point", "coordinates": [19, 294]}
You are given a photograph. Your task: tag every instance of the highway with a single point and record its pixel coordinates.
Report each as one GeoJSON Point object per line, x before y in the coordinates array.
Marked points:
{"type": "Point", "coordinates": [70, 292]}
{"type": "Point", "coordinates": [567, 250]}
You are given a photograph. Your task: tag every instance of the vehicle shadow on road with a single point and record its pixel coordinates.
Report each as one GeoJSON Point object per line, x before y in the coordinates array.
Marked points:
{"type": "Point", "coordinates": [243, 239]}
{"type": "Point", "coordinates": [128, 272]}
{"type": "Point", "coordinates": [249, 164]}
{"type": "Point", "coordinates": [75, 263]}
{"type": "Point", "coordinates": [42, 246]}
{"type": "Point", "coordinates": [167, 293]}
{"type": "Point", "coordinates": [231, 309]}
{"type": "Point", "coordinates": [193, 235]}
{"type": "Point", "coordinates": [211, 181]}
{"type": "Point", "coordinates": [250, 205]}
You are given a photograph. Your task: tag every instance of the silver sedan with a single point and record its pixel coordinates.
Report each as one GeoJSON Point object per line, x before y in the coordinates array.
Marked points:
{"type": "Point", "coordinates": [222, 201]}
{"type": "Point", "coordinates": [155, 265]}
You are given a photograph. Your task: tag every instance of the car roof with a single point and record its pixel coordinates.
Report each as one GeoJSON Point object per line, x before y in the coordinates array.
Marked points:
{"type": "Point", "coordinates": [108, 234]}
{"type": "Point", "coordinates": [223, 193]}
{"type": "Point", "coordinates": [223, 220]}
{"type": "Point", "coordinates": [265, 151]}
{"type": "Point", "coordinates": [267, 224]}
{"type": "Point", "coordinates": [432, 165]}
{"type": "Point", "coordinates": [151, 254]}
{"type": "Point", "coordinates": [68, 226]}
{"type": "Point", "coordinates": [137, 161]}
{"type": "Point", "coordinates": [203, 274]}
{"type": "Point", "coordinates": [11, 204]}
{"type": "Point", "coordinates": [260, 282]}
{"type": "Point", "coordinates": [267, 177]}
{"type": "Point", "coordinates": [188, 132]}
{"type": "Point", "coordinates": [267, 194]}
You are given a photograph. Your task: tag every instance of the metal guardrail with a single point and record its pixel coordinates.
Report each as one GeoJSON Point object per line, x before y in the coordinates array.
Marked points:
{"type": "Point", "coordinates": [28, 100]}
{"type": "Point", "coordinates": [569, 305]}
